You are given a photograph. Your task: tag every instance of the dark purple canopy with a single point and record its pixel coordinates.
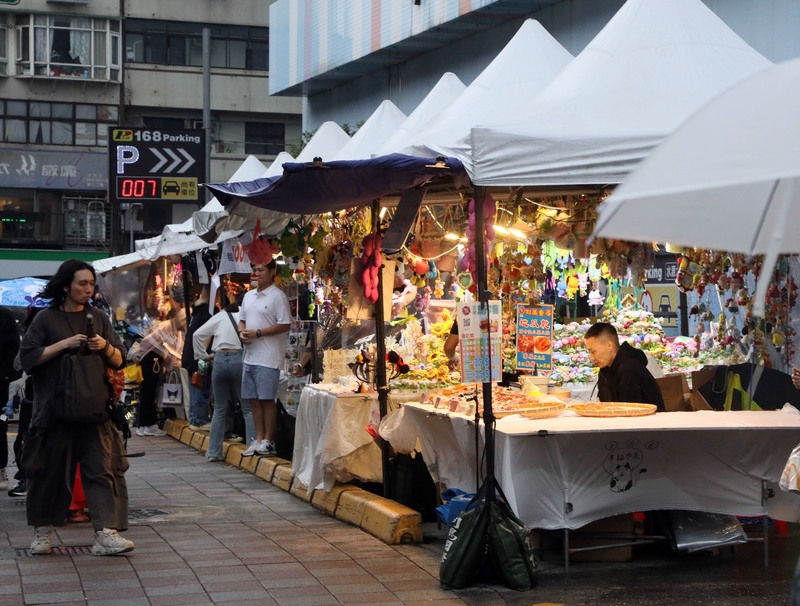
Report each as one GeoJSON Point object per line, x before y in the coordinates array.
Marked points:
{"type": "Point", "coordinates": [309, 189]}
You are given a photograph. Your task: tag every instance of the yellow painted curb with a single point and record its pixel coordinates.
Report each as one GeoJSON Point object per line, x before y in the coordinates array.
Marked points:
{"type": "Point", "coordinates": [300, 490]}
{"type": "Point", "coordinates": [174, 427]}
{"type": "Point", "coordinates": [282, 476]}
{"type": "Point", "coordinates": [233, 455]}
{"type": "Point", "coordinates": [392, 522]}
{"type": "Point", "coordinates": [352, 504]}
{"type": "Point", "coordinates": [266, 467]}
{"type": "Point", "coordinates": [328, 501]}
{"type": "Point", "coordinates": [385, 519]}
{"type": "Point", "coordinates": [197, 440]}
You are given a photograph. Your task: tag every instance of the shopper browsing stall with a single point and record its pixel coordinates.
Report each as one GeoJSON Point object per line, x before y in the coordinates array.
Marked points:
{"type": "Point", "coordinates": [264, 323]}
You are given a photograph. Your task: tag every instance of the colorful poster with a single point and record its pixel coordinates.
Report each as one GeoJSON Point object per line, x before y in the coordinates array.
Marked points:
{"type": "Point", "coordinates": [535, 337]}
{"type": "Point", "coordinates": [480, 335]}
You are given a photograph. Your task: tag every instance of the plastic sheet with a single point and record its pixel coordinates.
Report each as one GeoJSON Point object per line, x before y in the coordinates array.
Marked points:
{"type": "Point", "coordinates": [699, 530]}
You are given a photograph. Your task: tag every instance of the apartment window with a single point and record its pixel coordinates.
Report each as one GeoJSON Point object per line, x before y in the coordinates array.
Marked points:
{"type": "Point", "coordinates": [181, 43]}
{"type": "Point", "coordinates": [264, 138]}
{"type": "Point", "coordinates": [60, 46]}
{"type": "Point", "coordinates": [82, 124]}
{"type": "Point", "coordinates": [3, 51]}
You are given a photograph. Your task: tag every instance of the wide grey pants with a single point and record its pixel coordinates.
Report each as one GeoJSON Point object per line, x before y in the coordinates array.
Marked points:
{"type": "Point", "coordinates": [99, 450]}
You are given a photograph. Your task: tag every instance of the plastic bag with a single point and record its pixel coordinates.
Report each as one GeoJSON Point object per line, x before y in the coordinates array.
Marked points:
{"type": "Point", "coordinates": [400, 435]}
{"type": "Point", "coordinates": [790, 478]}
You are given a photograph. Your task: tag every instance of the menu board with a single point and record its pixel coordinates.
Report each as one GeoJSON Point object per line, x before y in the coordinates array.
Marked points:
{"type": "Point", "coordinates": [535, 337]}
{"type": "Point", "coordinates": [480, 331]}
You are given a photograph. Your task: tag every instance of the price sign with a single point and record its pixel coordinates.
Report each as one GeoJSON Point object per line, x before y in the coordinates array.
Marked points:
{"type": "Point", "coordinates": [152, 164]}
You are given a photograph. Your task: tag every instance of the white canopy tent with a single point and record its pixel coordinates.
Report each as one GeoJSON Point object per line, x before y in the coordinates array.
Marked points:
{"type": "Point", "coordinates": [325, 143]}
{"type": "Point", "coordinates": [382, 124]}
{"type": "Point", "coordinates": [210, 225]}
{"type": "Point", "coordinates": [652, 66]}
{"type": "Point", "coordinates": [440, 97]}
{"type": "Point", "coordinates": [528, 63]}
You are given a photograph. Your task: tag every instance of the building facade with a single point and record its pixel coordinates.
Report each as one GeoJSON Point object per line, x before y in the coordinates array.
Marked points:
{"type": "Point", "coordinates": [73, 70]}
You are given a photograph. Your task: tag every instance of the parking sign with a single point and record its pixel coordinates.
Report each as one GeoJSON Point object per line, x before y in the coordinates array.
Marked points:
{"type": "Point", "coordinates": [154, 164]}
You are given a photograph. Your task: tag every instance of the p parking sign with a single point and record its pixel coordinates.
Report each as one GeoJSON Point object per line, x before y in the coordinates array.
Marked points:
{"type": "Point", "coordinates": [153, 164]}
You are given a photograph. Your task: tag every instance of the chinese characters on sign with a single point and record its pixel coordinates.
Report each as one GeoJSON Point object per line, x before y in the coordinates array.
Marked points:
{"type": "Point", "coordinates": [535, 337]}
{"type": "Point", "coordinates": [480, 334]}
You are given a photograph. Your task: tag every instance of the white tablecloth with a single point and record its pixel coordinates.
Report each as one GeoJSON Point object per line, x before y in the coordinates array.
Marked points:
{"type": "Point", "coordinates": [331, 442]}
{"type": "Point", "coordinates": [567, 471]}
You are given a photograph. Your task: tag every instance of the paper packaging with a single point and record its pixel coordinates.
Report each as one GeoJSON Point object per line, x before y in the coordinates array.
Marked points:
{"type": "Point", "coordinates": [675, 391]}
{"type": "Point", "coordinates": [700, 378]}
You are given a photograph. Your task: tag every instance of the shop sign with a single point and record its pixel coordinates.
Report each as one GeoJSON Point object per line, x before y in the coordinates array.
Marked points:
{"type": "Point", "coordinates": [480, 331]}
{"type": "Point", "coordinates": [63, 170]}
{"type": "Point", "coordinates": [152, 164]}
{"type": "Point", "coordinates": [535, 337]}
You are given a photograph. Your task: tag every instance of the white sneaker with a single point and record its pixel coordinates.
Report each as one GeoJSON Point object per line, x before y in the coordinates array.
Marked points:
{"type": "Point", "coordinates": [3, 479]}
{"type": "Point", "coordinates": [251, 450]}
{"type": "Point", "coordinates": [140, 431]}
{"type": "Point", "coordinates": [266, 448]}
{"type": "Point", "coordinates": [41, 540]}
{"type": "Point", "coordinates": [153, 430]}
{"type": "Point", "coordinates": [109, 542]}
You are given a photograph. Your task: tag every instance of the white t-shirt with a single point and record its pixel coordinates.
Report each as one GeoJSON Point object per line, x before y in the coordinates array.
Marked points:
{"type": "Point", "coordinates": [263, 310]}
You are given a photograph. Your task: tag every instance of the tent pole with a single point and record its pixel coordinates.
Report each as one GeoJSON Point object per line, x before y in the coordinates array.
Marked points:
{"type": "Point", "coordinates": [380, 363]}
{"type": "Point", "coordinates": [483, 297]}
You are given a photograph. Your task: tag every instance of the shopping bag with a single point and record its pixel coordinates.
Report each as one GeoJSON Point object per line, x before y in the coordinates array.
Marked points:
{"type": "Point", "coordinates": [790, 478]}
{"type": "Point", "coordinates": [466, 546]}
{"type": "Point", "coordinates": [81, 390]}
{"type": "Point", "coordinates": [510, 547]}
{"type": "Point", "coordinates": [172, 390]}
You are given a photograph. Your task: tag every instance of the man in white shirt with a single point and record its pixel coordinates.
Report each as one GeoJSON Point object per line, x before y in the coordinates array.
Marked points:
{"type": "Point", "coordinates": [264, 322]}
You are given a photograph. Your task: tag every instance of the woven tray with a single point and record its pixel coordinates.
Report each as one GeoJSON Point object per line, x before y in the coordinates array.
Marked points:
{"type": "Point", "coordinates": [613, 409]}
{"type": "Point", "coordinates": [540, 411]}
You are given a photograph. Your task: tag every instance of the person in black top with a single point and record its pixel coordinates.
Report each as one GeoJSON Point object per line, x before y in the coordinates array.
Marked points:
{"type": "Point", "coordinates": [623, 373]}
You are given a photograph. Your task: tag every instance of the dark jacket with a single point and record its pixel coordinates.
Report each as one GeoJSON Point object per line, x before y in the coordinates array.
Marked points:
{"type": "Point", "coordinates": [200, 315]}
{"type": "Point", "coordinates": [628, 380]}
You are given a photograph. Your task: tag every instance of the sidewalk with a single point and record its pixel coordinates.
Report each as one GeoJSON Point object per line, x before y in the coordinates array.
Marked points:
{"type": "Point", "coordinates": [210, 533]}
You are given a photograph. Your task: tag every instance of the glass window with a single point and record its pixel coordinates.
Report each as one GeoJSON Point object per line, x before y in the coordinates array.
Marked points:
{"type": "Point", "coordinates": [181, 43]}
{"type": "Point", "coordinates": [264, 138]}
{"type": "Point", "coordinates": [15, 131]}
{"type": "Point", "coordinates": [67, 46]}
{"type": "Point", "coordinates": [86, 112]}
{"type": "Point", "coordinates": [54, 123]}
{"type": "Point", "coordinates": [85, 133]}
{"type": "Point", "coordinates": [3, 51]}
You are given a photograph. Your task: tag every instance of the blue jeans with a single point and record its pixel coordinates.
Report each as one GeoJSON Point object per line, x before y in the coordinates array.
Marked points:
{"type": "Point", "coordinates": [198, 403]}
{"type": "Point", "coordinates": [226, 379]}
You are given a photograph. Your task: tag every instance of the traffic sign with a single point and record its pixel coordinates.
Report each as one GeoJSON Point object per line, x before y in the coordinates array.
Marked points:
{"type": "Point", "coordinates": [152, 164]}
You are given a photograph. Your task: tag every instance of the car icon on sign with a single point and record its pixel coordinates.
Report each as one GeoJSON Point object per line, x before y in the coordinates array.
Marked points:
{"type": "Point", "coordinates": [171, 187]}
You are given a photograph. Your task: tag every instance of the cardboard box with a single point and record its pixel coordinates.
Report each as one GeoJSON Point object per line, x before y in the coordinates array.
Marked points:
{"type": "Point", "coordinates": [622, 525]}
{"type": "Point", "coordinates": [700, 378]}
{"type": "Point", "coordinates": [675, 391]}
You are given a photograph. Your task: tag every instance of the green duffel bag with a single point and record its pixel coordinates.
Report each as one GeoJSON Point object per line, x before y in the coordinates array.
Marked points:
{"type": "Point", "coordinates": [466, 546]}
{"type": "Point", "coordinates": [510, 547]}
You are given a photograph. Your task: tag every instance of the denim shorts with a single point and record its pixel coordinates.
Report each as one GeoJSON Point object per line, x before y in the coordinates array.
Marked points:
{"type": "Point", "coordinates": [259, 382]}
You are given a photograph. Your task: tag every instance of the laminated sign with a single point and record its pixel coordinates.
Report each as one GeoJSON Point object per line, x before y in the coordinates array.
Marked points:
{"type": "Point", "coordinates": [480, 331]}
{"type": "Point", "coordinates": [535, 337]}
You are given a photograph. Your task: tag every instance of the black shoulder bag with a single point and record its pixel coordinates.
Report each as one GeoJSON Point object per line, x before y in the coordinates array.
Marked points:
{"type": "Point", "coordinates": [79, 399]}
